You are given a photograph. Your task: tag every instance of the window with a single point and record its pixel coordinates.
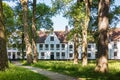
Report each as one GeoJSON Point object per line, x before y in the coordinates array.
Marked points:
{"type": "Point", "coordinates": [52, 53]}
{"type": "Point", "coordinates": [89, 54]}
{"type": "Point", "coordinates": [42, 54]}
{"type": "Point", "coordinates": [52, 46]}
{"type": "Point", "coordinates": [52, 38]}
{"type": "Point", "coordinates": [9, 53]}
{"type": "Point", "coordinates": [57, 55]}
{"type": "Point", "coordinates": [71, 47]}
{"type": "Point", "coordinates": [70, 55]}
{"type": "Point", "coordinates": [115, 45]}
{"type": "Point", "coordinates": [57, 46]}
{"type": "Point", "coordinates": [115, 53]}
{"type": "Point", "coordinates": [46, 46]}
{"type": "Point", "coordinates": [41, 46]}
{"type": "Point", "coordinates": [63, 54]}
{"type": "Point", "coordinates": [18, 53]}
{"type": "Point", "coordinates": [63, 46]}
{"type": "Point", "coordinates": [89, 46]}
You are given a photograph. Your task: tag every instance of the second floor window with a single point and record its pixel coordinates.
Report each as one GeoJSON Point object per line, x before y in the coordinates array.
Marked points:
{"type": "Point", "coordinates": [57, 46]}
{"type": "Point", "coordinates": [89, 46]}
{"type": "Point", "coordinates": [52, 38]}
{"type": "Point", "coordinates": [70, 47]}
{"type": "Point", "coordinates": [46, 46]}
{"type": "Point", "coordinates": [52, 46]}
{"type": "Point", "coordinates": [115, 45]}
{"type": "Point", "coordinates": [41, 46]}
{"type": "Point", "coordinates": [63, 46]}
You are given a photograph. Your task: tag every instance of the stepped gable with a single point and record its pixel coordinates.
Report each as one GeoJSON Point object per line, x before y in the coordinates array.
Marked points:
{"type": "Point", "coordinates": [42, 36]}
{"type": "Point", "coordinates": [60, 34]}
{"type": "Point", "coordinates": [115, 34]}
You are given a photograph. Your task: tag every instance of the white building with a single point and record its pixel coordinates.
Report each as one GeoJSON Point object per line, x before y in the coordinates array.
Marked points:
{"type": "Point", "coordinates": [54, 45]}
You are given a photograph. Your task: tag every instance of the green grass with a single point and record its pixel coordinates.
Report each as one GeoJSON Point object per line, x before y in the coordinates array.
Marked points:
{"type": "Point", "coordinates": [17, 73]}
{"type": "Point", "coordinates": [67, 67]}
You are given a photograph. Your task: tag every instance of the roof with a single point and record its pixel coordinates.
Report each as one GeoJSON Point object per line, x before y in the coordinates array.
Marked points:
{"type": "Point", "coordinates": [114, 34]}
{"type": "Point", "coordinates": [62, 35]}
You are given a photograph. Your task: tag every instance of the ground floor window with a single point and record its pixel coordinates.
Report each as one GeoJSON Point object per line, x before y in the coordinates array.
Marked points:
{"type": "Point", "coordinates": [71, 55]}
{"type": "Point", "coordinates": [57, 55]}
{"type": "Point", "coordinates": [89, 54]}
{"type": "Point", "coordinates": [42, 55]}
{"type": "Point", "coordinates": [115, 53]}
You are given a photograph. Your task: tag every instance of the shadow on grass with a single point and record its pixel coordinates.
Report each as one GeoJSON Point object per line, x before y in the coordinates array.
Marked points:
{"type": "Point", "coordinates": [78, 71]}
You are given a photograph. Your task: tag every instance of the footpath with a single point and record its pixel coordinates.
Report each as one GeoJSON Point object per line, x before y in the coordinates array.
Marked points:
{"type": "Point", "coordinates": [49, 74]}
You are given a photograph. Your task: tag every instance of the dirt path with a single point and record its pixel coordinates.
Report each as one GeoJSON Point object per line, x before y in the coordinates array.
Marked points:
{"type": "Point", "coordinates": [49, 74]}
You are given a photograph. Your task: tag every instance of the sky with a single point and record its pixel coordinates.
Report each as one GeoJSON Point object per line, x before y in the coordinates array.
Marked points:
{"type": "Point", "coordinates": [59, 21]}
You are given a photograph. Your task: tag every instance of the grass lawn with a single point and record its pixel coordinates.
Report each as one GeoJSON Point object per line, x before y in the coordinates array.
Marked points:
{"type": "Point", "coordinates": [67, 67]}
{"type": "Point", "coordinates": [17, 73]}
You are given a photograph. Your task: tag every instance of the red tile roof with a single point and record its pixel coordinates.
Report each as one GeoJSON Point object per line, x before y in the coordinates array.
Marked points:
{"type": "Point", "coordinates": [60, 34]}
{"type": "Point", "coordinates": [115, 34]}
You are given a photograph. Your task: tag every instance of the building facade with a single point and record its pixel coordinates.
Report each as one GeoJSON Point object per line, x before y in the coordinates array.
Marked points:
{"type": "Point", "coordinates": [55, 46]}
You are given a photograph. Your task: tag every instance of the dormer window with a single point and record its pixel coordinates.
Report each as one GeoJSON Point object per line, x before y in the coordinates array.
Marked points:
{"type": "Point", "coordinates": [52, 38]}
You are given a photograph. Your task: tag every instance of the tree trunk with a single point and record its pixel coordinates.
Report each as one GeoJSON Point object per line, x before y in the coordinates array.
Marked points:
{"type": "Point", "coordinates": [76, 41]}
{"type": "Point", "coordinates": [34, 34]}
{"type": "Point", "coordinates": [84, 33]}
{"type": "Point", "coordinates": [103, 24]}
{"type": "Point", "coordinates": [3, 50]}
{"type": "Point", "coordinates": [84, 47]}
{"type": "Point", "coordinates": [26, 31]}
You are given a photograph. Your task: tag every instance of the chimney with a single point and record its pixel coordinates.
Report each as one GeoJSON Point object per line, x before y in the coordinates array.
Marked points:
{"type": "Point", "coordinates": [66, 29]}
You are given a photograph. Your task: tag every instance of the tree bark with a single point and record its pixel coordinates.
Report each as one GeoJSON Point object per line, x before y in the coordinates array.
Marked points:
{"type": "Point", "coordinates": [76, 41]}
{"type": "Point", "coordinates": [103, 24]}
{"type": "Point", "coordinates": [24, 4]}
{"type": "Point", "coordinates": [3, 50]}
{"type": "Point", "coordinates": [34, 34]}
{"type": "Point", "coordinates": [84, 33]}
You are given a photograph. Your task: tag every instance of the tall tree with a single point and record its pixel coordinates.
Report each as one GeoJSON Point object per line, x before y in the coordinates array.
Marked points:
{"type": "Point", "coordinates": [34, 34]}
{"type": "Point", "coordinates": [84, 33]}
{"type": "Point", "coordinates": [24, 4]}
{"type": "Point", "coordinates": [76, 39]}
{"type": "Point", "coordinates": [103, 24]}
{"type": "Point", "coordinates": [3, 50]}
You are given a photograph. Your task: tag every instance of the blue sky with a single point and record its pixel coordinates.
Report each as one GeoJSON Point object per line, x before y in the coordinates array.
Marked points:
{"type": "Point", "coordinates": [59, 21]}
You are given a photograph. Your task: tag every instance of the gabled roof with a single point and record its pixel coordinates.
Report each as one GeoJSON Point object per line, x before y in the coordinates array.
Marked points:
{"type": "Point", "coordinates": [60, 34]}
{"type": "Point", "coordinates": [114, 34]}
